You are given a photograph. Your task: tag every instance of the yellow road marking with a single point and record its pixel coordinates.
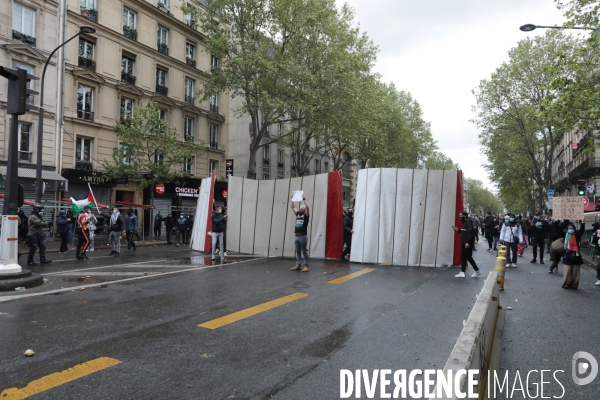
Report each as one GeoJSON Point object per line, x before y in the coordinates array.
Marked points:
{"type": "Point", "coordinates": [59, 378]}
{"type": "Point", "coordinates": [248, 312]}
{"type": "Point", "coordinates": [353, 275]}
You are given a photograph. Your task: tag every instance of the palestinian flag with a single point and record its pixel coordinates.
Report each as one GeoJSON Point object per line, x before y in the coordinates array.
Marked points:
{"type": "Point", "coordinates": [77, 205]}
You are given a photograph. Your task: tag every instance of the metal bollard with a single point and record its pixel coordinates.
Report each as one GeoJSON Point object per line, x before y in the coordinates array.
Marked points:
{"type": "Point", "coordinates": [501, 268]}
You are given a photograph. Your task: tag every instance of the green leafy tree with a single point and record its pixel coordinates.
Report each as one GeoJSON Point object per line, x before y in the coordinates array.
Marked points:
{"type": "Point", "coordinates": [440, 161]}
{"type": "Point", "coordinates": [509, 110]}
{"type": "Point", "coordinates": [149, 150]}
{"type": "Point", "coordinates": [479, 199]}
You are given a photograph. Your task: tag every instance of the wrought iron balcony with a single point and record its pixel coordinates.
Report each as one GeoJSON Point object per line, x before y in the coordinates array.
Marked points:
{"type": "Point", "coordinates": [214, 145]}
{"type": "Point", "coordinates": [587, 167]}
{"type": "Point", "coordinates": [83, 165]}
{"type": "Point", "coordinates": [190, 61]}
{"type": "Point", "coordinates": [90, 14]}
{"type": "Point", "coordinates": [266, 162]}
{"type": "Point", "coordinates": [25, 156]}
{"type": "Point", "coordinates": [189, 138]}
{"type": "Point", "coordinates": [214, 108]}
{"type": "Point", "coordinates": [162, 90]}
{"type": "Point", "coordinates": [163, 48]}
{"type": "Point", "coordinates": [130, 33]}
{"type": "Point", "coordinates": [23, 38]}
{"type": "Point", "coordinates": [85, 115]}
{"type": "Point", "coordinates": [127, 78]}
{"type": "Point", "coordinates": [191, 23]}
{"type": "Point", "coordinates": [280, 165]}
{"type": "Point", "coordinates": [87, 63]}
{"type": "Point", "coordinates": [189, 100]}
{"type": "Point", "coordinates": [163, 7]}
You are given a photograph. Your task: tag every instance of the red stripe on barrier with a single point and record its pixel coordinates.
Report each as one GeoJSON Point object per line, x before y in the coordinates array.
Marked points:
{"type": "Point", "coordinates": [208, 240]}
{"type": "Point", "coordinates": [12, 239]}
{"type": "Point", "coordinates": [334, 236]}
{"type": "Point", "coordinates": [13, 218]}
{"type": "Point", "coordinates": [460, 206]}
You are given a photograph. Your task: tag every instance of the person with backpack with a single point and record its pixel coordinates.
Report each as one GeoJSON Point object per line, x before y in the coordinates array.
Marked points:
{"type": "Point", "coordinates": [572, 259]}
{"type": "Point", "coordinates": [511, 235]}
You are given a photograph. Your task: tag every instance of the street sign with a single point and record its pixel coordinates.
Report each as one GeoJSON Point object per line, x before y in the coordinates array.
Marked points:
{"type": "Point", "coordinates": [586, 201]}
{"type": "Point", "coordinates": [550, 193]}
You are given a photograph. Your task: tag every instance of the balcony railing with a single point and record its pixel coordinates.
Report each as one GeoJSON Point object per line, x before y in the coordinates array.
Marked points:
{"type": "Point", "coordinates": [162, 90]}
{"type": "Point", "coordinates": [214, 108]}
{"type": "Point", "coordinates": [190, 61]}
{"type": "Point", "coordinates": [266, 162]}
{"type": "Point", "coordinates": [87, 63]}
{"type": "Point", "coordinates": [127, 78]}
{"type": "Point", "coordinates": [130, 33]}
{"type": "Point", "coordinates": [84, 165]}
{"type": "Point", "coordinates": [23, 38]}
{"type": "Point", "coordinates": [163, 48]}
{"type": "Point", "coordinates": [280, 165]}
{"type": "Point", "coordinates": [586, 167]}
{"type": "Point", "coordinates": [280, 174]}
{"type": "Point", "coordinates": [90, 14]}
{"type": "Point", "coordinates": [191, 23]}
{"type": "Point", "coordinates": [188, 138]}
{"type": "Point", "coordinates": [189, 100]}
{"type": "Point", "coordinates": [85, 115]}
{"type": "Point", "coordinates": [25, 156]}
{"type": "Point", "coordinates": [214, 145]}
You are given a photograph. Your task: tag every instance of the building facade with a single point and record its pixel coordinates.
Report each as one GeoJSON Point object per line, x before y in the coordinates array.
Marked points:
{"type": "Point", "coordinates": [576, 159]}
{"type": "Point", "coordinates": [141, 51]}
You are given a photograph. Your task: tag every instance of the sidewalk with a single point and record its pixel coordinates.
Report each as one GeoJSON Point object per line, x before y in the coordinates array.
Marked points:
{"type": "Point", "coordinates": [100, 243]}
{"type": "Point", "coordinates": [546, 327]}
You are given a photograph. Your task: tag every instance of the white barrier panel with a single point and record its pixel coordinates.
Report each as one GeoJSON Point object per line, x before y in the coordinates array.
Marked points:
{"type": "Point", "coordinates": [308, 186]}
{"type": "Point", "coordinates": [371, 243]}
{"type": "Point", "coordinates": [264, 211]}
{"type": "Point", "coordinates": [445, 251]}
{"type": "Point", "coordinates": [431, 226]}
{"type": "Point", "coordinates": [318, 216]}
{"type": "Point", "coordinates": [417, 216]}
{"type": "Point", "coordinates": [234, 212]}
{"type": "Point", "coordinates": [9, 243]}
{"type": "Point", "coordinates": [358, 238]}
{"type": "Point", "coordinates": [198, 238]}
{"type": "Point", "coordinates": [281, 209]}
{"type": "Point", "coordinates": [402, 215]}
{"type": "Point", "coordinates": [288, 245]}
{"type": "Point", "coordinates": [387, 207]}
{"type": "Point", "coordinates": [248, 219]}
{"type": "Point", "coordinates": [401, 218]}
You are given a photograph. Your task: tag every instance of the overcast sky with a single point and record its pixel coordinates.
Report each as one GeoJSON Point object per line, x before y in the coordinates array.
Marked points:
{"type": "Point", "coordinates": [439, 50]}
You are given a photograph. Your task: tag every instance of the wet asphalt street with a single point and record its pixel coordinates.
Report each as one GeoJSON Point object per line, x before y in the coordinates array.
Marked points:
{"type": "Point", "coordinates": [141, 313]}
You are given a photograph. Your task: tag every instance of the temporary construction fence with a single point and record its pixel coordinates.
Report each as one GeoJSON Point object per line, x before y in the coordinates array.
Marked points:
{"type": "Point", "coordinates": [261, 222]}
{"type": "Point", "coordinates": [405, 217]}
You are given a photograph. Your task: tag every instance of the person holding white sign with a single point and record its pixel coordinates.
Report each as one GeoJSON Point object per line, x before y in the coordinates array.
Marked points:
{"type": "Point", "coordinates": [301, 232]}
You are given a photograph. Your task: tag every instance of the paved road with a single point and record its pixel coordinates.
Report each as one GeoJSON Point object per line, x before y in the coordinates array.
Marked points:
{"type": "Point", "coordinates": [137, 336]}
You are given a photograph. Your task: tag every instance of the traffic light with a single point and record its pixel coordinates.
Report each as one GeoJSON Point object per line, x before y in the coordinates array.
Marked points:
{"type": "Point", "coordinates": [17, 90]}
{"type": "Point", "coordinates": [581, 188]}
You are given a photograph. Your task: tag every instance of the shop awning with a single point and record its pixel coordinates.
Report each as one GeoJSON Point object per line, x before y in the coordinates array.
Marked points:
{"type": "Point", "coordinates": [30, 173]}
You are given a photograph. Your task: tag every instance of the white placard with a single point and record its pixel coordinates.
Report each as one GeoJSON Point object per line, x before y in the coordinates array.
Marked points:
{"type": "Point", "coordinates": [298, 195]}
{"type": "Point", "coordinates": [570, 208]}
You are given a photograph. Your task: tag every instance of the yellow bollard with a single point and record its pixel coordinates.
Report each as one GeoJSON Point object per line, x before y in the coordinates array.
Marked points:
{"type": "Point", "coordinates": [503, 247]}
{"type": "Point", "coordinates": [501, 268]}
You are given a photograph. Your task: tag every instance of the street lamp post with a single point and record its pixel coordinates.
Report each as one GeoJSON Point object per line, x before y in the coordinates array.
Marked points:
{"type": "Point", "coordinates": [40, 144]}
{"type": "Point", "coordinates": [532, 27]}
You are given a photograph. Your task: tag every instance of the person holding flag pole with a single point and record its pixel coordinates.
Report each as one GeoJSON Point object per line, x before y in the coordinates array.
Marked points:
{"type": "Point", "coordinates": [81, 209]}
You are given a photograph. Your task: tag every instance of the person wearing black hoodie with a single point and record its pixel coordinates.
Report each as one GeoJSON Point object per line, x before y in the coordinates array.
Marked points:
{"type": "Point", "coordinates": [489, 229]}
{"type": "Point", "coordinates": [467, 241]}
{"type": "Point", "coordinates": [217, 232]}
{"type": "Point", "coordinates": [170, 227]}
{"type": "Point", "coordinates": [348, 232]}
{"type": "Point", "coordinates": [539, 235]}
